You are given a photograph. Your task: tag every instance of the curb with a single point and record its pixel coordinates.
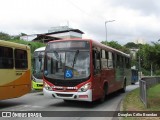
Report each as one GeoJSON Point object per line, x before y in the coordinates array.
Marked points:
{"type": "Point", "coordinates": [120, 105]}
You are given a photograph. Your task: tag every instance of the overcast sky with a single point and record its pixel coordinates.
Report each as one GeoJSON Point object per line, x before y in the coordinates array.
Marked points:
{"type": "Point", "coordinates": [134, 19]}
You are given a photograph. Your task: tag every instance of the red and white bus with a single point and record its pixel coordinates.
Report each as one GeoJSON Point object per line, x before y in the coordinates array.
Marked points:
{"type": "Point", "coordinates": [84, 70]}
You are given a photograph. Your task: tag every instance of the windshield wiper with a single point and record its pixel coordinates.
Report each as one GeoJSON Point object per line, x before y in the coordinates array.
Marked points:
{"type": "Point", "coordinates": [75, 58]}
{"type": "Point", "coordinates": [56, 54]}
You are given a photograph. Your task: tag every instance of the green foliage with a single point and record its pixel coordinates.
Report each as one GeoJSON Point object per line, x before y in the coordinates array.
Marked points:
{"type": "Point", "coordinates": [146, 72]}
{"type": "Point", "coordinates": [16, 38]}
{"type": "Point", "coordinates": [132, 102]}
{"type": "Point", "coordinates": [150, 54]}
{"type": "Point", "coordinates": [157, 72]}
{"type": "Point", "coordinates": [5, 36]}
{"type": "Point", "coordinates": [146, 55]}
{"type": "Point", "coordinates": [33, 45]}
{"type": "Point", "coordinates": [114, 44]}
{"type": "Point", "coordinates": [131, 45]}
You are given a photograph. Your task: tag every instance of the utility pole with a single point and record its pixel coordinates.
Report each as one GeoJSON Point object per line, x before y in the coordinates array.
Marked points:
{"type": "Point", "coordinates": [151, 70]}
{"type": "Point", "coordinates": [139, 67]}
{"type": "Point", "coordinates": [106, 26]}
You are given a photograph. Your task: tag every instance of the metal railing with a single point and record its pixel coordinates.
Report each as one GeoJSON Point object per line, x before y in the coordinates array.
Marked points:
{"type": "Point", "coordinates": [143, 92]}
{"type": "Point", "coordinates": [146, 83]}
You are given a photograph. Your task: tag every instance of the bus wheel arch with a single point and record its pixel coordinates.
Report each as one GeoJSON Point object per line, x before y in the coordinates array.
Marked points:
{"type": "Point", "coordinates": [105, 90]}
{"type": "Point", "coordinates": [123, 90]}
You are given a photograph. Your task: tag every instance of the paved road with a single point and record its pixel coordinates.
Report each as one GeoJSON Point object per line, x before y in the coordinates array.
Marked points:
{"type": "Point", "coordinates": [37, 102]}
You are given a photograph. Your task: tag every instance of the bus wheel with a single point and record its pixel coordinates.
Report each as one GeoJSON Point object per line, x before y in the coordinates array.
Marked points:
{"type": "Point", "coordinates": [105, 88]}
{"type": "Point", "coordinates": [123, 90]}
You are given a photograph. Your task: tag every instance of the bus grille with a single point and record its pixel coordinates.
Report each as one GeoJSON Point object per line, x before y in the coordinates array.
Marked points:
{"type": "Point", "coordinates": [39, 85]}
{"type": "Point", "coordinates": [64, 95]}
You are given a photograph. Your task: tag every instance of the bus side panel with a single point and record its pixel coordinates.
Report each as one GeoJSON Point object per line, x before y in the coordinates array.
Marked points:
{"type": "Point", "coordinates": [23, 84]}
{"type": "Point", "coordinates": [7, 83]}
{"type": "Point", "coordinates": [96, 87]}
{"type": "Point", "coordinates": [108, 75]}
{"type": "Point", "coordinates": [21, 90]}
{"type": "Point", "coordinates": [16, 88]}
{"type": "Point", "coordinates": [24, 77]}
{"type": "Point", "coordinates": [120, 73]}
{"type": "Point", "coordinates": [128, 75]}
{"type": "Point", "coordinates": [6, 92]}
{"type": "Point", "coordinates": [7, 76]}
{"type": "Point", "coordinates": [15, 82]}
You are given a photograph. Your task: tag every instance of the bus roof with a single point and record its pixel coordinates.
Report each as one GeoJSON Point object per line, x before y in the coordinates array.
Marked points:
{"type": "Point", "coordinates": [40, 49]}
{"type": "Point", "coordinates": [95, 43]}
{"type": "Point", "coordinates": [13, 44]}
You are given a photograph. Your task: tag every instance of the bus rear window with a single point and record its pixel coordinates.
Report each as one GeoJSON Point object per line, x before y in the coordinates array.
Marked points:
{"type": "Point", "coordinates": [6, 57]}
{"type": "Point", "coordinates": [21, 59]}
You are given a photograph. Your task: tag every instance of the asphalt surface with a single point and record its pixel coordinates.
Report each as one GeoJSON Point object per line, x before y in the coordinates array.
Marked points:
{"type": "Point", "coordinates": [35, 101]}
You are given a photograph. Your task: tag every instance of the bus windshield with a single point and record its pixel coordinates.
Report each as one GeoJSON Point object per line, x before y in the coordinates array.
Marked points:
{"type": "Point", "coordinates": [38, 64]}
{"type": "Point", "coordinates": [67, 63]}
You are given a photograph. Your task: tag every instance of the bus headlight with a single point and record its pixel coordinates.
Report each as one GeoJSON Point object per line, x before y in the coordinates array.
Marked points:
{"type": "Point", "coordinates": [85, 87]}
{"type": "Point", "coordinates": [47, 87]}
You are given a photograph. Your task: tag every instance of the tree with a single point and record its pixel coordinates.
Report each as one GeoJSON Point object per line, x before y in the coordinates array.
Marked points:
{"type": "Point", "coordinates": [131, 45]}
{"type": "Point", "coordinates": [33, 45]}
{"type": "Point", "coordinates": [23, 34]}
{"type": "Point", "coordinates": [116, 45]}
{"type": "Point", "coordinates": [150, 55]}
{"type": "Point", "coordinates": [4, 36]}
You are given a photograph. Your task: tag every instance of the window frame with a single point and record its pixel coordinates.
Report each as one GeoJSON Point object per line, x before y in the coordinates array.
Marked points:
{"type": "Point", "coordinates": [21, 61]}
{"type": "Point", "coordinates": [7, 58]}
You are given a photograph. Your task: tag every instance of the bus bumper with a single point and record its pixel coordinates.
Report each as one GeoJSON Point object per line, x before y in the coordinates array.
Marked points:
{"type": "Point", "coordinates": [37, 86]}
{"type": "Point", "coordinates": [79, 96]}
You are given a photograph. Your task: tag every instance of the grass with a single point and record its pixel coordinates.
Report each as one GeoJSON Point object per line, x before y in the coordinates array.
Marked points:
{"type": "Point", "coordinates": [154, 98]}
{"type": "Point", "coordinates": [132, 102]}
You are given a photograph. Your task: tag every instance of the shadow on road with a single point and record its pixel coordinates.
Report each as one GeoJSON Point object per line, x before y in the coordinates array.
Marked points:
{"type": "Point", "coordinates": [8, 104]}
{"type": "Point", "coordinates": [83, 104]}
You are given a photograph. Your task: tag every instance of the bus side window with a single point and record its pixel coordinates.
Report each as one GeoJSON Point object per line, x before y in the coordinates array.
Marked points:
{"type": "Point", "coordinates": [123, 62]}
{"type": "Point", "coordinates": [6, 57]}
{"type": "Point", "coordinates": [96, 61]}
{"type": "Point", "coordinates": [21, 59]}
{"type": "Point", "coordinates": [127, 62]}
{"type": "Point", "coordinates": [104, 57]}
{"type": "Point", "coordinates": [114, 61]}
{"type": "Point", "coordinates": [118, 61]}
{"type": "Point", "coordinates": [110, 60]}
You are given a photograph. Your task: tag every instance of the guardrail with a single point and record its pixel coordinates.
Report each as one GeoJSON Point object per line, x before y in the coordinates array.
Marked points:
{"type": "Point", "coordinates": [143, 92]}
{"type": "Point", "coordinates": [146, 83]}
